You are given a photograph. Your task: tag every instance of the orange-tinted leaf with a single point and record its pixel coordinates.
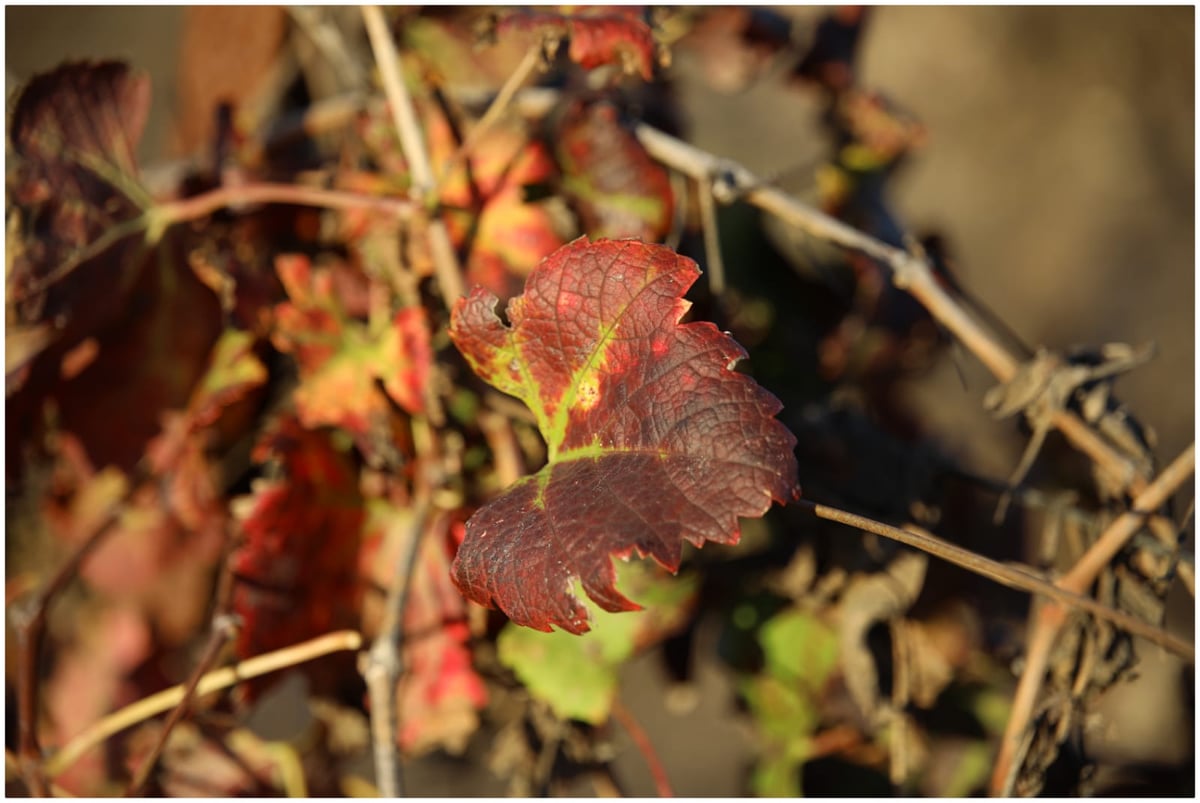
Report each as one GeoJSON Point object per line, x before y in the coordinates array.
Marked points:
{"type": "Point", "coordinates": [234, 370]}
{"type": "Point", "coordinates": [653, 438]}
{"type": "Point", "coordinates": [341, 359]}
{"type": "Point", "coordinates": [508, 235]}
{"type": "Point", "coordinates": [618, 190]}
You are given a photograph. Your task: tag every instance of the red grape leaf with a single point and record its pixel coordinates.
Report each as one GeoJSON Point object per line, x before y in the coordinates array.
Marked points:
{"type": "Point", "coordinates": [340, 358]}
{"type": "Point", "coordinates": [297, 568]}
{"type": "Point", "coordinates": [617, 189]}
{"type": "Point", "coordinates": [652, 438]}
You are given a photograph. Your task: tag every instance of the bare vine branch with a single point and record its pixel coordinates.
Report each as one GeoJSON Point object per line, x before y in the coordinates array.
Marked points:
{"type": "Point", "coordinates": [199, 206]}
{"type": "Point", "coordinates": [1051, 617]}
{"type": "Point", "coordinates": [910, 272]}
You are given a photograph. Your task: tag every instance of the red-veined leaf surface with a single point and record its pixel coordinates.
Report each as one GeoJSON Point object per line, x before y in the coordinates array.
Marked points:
{"type": "Point", "coordinates": [653, 439]}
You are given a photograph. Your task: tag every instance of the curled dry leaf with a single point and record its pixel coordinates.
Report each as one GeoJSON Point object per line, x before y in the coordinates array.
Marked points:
{"type": "Point", "coordinates": [653, 438]}
{"type": "Point", "coordinates": [869, 599]}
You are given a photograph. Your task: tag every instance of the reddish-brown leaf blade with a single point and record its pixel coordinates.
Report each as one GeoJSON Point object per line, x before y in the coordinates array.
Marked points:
{"type": "Point", "coordinates": [297, 568]}
{"type": "Point", "coordinates": [74, 133]}
{"type": "Point", "coordinates": [653, 438]}
{"type": "Point", "coordinates": [618, 37]}
{"type": "Point", "coordinates": [613, 184]}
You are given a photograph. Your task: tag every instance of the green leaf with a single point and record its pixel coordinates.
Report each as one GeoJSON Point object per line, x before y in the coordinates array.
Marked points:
{"type": "Point", "coordinates": [577, 675]}
{"type": "Point", "coordinates": [799, 648]}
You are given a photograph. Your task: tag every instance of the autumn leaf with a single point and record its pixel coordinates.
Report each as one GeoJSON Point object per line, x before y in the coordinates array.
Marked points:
{"type": "Point", "coordinates": [341, 359]}
{"type": "Point", "coordinates": [486, 208]}
{"type": "Point", "coordinates": [653, 439]}
{"type": "Point", "coordinates": [86, 258]}
{"type": "Point", "coordinates": [74, 133]}
{"type": "Point", "coordinates": [297, 568]}
{"type": "Point", "coordinates": [598, 37]}
{"type": "Point", "coordinates": [614, 185]}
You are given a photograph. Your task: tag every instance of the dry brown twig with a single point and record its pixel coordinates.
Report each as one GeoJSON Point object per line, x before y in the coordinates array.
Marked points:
{"type": "Point", "coordinates": [225, 625]}
{"type": "Point", "coordinates": [1005, 574]}
{"type": "Point", "coordinates": [412, 141]}
{"type": "Point", "coordinates": [910, 272]}
{"type": "Point", "coordinates": [132, 714]}
{"type": "Point", "coordinates": [382, 665]}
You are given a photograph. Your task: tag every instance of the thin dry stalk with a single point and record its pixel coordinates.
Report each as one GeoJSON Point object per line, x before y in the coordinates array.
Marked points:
{"type": "Point", "coordinates": [165, 700]}
{"type": "Point", "coordinates": [1004, 574]}
{"type": "Point", "coordinates": [1117, 534]}
{"type": "Point", "coordinates": [412, 142]}
{"type": "Point", "coordinates": [1051, 616]}
{"type": "Point", "coordinates": [205, 204]}
{"type": "Point", "coordinates": [224, 627]}
{"type": "Point", "coordinates": [712, 240]}
{"type": "Point", "coordinates": [383, 665]}
{"type": "Point", "coordinates": [514, 82]}
{"type": "Point", "coordinates": [223, 630]}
